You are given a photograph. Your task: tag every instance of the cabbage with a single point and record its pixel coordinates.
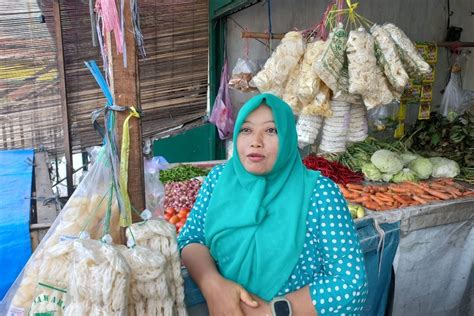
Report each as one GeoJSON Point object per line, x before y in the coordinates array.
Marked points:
{"type": "Point", "coordinates": [387, 177]}
{"type": "Point", "coordinates": [444, 168]}
{"type": "Point", "coordinates": [407, 157]}
{"type": "Point", "coordinates": [422, 167]}
{"type": "Point", "coordinates": [387, 161]}
{"type": "Point", "coordinates": [404, 175]}
{"type": "Point", "coordinates": [371, 172]}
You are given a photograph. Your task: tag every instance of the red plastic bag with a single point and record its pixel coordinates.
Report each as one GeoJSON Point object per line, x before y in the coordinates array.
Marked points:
{"type": "Point", "coordinates": [221, 115]}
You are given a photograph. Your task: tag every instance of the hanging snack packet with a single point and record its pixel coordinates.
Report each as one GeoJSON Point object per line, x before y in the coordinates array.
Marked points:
{"type": "Point", "coordinates": [365, 76]}
{"type": "Point", "coordinates": [329, 64]}
{"type": "Point", "coordinates": [321, 104]}
{"type": "Point", "coordinates": [160, 236]}
{"type": "Point", "coordinates": [99, 280]}
{"type": "Point", "coordinates": [148, 293]}
{"type": "Point", "coordinates": [358, 127]}
{"type": "Point", "coordinates": [308, 82]}
{"type": "Point", "coordinates": [307, 129]}
{"type": "Point", "coordinates": [272, 78]}
{"type": "Point", "coordinates": [242, 73]}
{"type": "Point", "coordinates": [289, 94]}
{"type": "Point", "coordinates": [335, 128]}
{"type": "Point", "coordinates": [388, 57]}
{"type": "Point", "coordinates": [84, 213]}
{"type": "Point", "coordinates": [413, 63]}
{"type": "Point", "coordinates": [53, 278]}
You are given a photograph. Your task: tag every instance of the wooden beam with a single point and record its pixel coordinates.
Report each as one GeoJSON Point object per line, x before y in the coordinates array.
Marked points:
{"type": "Point", "coordinates": [124, 85]}
{"type": "Point", "coordinates": [45, 214]}
{"type": "Point", "coordinates": [261, 35]}
{"type": "Point", "coordinates": [63, 95]}
{"type": "Point", "coordinates": [455, 44]}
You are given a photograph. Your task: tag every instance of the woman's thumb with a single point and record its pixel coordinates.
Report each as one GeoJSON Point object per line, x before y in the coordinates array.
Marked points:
{"type": "Point", "coordinates": [247, 298]}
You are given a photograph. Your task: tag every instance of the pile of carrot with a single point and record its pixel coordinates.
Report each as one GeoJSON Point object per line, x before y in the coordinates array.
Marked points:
{"type": "Point", "coordinates": [382, 198]}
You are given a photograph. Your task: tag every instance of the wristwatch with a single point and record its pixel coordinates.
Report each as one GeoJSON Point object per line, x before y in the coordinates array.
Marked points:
{"type": "Point", "coordinates": [280, 307]}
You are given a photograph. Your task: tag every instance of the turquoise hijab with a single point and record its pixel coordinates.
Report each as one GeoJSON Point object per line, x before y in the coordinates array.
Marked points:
{"type": "Point", "coordinates": [256, 225]}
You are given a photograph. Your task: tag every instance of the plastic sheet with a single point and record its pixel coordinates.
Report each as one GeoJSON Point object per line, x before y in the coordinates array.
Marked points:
{"type": "Point", "coordinates": [16, 175]}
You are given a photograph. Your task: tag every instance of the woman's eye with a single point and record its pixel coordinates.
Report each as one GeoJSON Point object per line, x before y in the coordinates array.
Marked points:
{"type": "Point", "coordinates": [272, 130]}
{"type": "Point", "coordinates": [245, 130]}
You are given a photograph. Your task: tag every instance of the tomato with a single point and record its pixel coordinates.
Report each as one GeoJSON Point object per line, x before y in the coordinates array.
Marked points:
{"type": "Point", "coordinates": [186, 209]}
{"type": "Point", "coordinates": [174, 219]}
{"type": "Point", "coordinates": [183, 213]}
{"type": "Point", "coordinates": [170, 210]}
{"type": "Point", "coordinates": [167, 216]}
{"type": "Point", "coordinates": [179, 224]}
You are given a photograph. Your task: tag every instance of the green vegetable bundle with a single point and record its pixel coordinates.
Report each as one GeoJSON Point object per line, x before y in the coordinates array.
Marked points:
{"type": "Point", "coordinates": [182, 173]}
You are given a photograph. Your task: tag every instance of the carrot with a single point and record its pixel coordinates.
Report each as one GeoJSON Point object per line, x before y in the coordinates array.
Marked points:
{"type": "Point", "coordinates": [419, 199]}
{"type": "Point", "coordinates": [400, 199]}
{"type": "Point", "coordinates": [355, 186]}
{"type": "Point", "coordinates": [343, 189]}
{"type": "Point", "coordinates": [437, 194]}
{"type": "Point", "coordinates": [399, 190]}
{"type": "Point", "coordinates": [351, 195]}
{"type": "Point", "coordinates": [377, 200]}
{"type": "Point", "coordinates": [384, 197]}
{"type": "Point", "coordinates": [372, 206]}
{"type": "Point", "coordinates": [468, 193]}
{"type": "Point", "coordinates": [361, 199]}
{"type": "Point", "coordinates": [429, 197]}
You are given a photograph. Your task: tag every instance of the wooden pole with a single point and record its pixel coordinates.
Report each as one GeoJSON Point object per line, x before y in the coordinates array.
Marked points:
{"type": "Point", "coordinates": [261, 35]}
{"type": "Point", "coordinates": [124, 85]}
{"type": "Point", "coordinates": [62, 93]}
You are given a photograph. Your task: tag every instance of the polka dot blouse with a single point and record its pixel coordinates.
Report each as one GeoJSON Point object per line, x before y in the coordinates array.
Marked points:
{"type": "Point", "coordinates": [331, 263]}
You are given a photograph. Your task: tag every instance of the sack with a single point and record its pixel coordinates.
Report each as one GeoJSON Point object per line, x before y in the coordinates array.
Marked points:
{"type": "Point", "coordinates": [221, 115]}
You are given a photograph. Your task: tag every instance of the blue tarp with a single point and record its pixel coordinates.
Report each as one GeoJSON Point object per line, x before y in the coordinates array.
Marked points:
{"type": "Point", "coordinates": [16, 176]}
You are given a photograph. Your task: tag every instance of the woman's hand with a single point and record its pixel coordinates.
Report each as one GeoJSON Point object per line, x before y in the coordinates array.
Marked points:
{"type": "Point", "coordinates": [225, 297]}
{"type": "Point", "coordinates": [263, 309]}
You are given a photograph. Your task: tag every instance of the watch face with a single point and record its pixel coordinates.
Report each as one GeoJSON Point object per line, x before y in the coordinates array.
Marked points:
{"type": "Point", "coordinates": [282, 308]}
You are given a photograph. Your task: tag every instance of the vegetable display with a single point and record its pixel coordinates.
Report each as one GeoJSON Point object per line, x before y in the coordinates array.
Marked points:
{"type": "Point", "coordinates": [332, 169]}
{"type": "Point", "coordinates": [405, 194]}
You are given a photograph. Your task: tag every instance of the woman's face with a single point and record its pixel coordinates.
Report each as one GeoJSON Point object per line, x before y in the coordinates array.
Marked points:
{"type": "Point", "coordinates": [257, 142]}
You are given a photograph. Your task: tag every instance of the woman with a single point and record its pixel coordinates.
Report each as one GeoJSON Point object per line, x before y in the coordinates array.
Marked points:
{"type": "Point", "coordinates": [268, 236]}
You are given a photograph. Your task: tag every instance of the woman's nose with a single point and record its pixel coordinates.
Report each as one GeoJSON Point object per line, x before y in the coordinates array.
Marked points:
{"type": "Point", "coordinates": [256, 141]}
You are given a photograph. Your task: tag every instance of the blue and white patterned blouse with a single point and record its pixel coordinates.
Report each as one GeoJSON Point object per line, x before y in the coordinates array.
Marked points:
{"type": "Point", "coordinates": [331, 263]}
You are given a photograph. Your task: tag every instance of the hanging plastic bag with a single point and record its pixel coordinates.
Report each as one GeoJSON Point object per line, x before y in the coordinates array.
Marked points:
{"type": "Point", "coordinates": [242, 73]}
{"type": "Point", "coordinates": [455, 100]}
{"type": "Point", "coordinates": [154, 189]}
{"type": "Point", "coordinates": [221, 115]}
{"type": "Point", "coordinates": [160, 236]}
{"type": "Point", "coordinates": [335, 128]}
{"type": "Point", "coordinates": [99, 280]}
{"type": "Point", "coordinates": [84, 212]}
{"type": "Point", "coordinates": [329, 65]}
{"type": "Point", "coordinates": [272, 78]}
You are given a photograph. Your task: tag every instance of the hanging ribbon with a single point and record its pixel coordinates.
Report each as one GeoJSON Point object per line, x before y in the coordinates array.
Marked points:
{"type": "Point", "coordinates": [126, 216]}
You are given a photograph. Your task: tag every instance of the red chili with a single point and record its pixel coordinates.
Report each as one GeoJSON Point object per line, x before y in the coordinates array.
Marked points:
{"type": "Point", "coordinates": [333, 170]}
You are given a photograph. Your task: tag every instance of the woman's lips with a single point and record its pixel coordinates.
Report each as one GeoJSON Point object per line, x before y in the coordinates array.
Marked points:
{"type": "Point", "coordinates": [255, 157]}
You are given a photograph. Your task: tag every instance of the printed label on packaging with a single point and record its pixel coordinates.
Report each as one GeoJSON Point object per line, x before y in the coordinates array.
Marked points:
{"type": "Point", "coordinates": [424, 110]}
